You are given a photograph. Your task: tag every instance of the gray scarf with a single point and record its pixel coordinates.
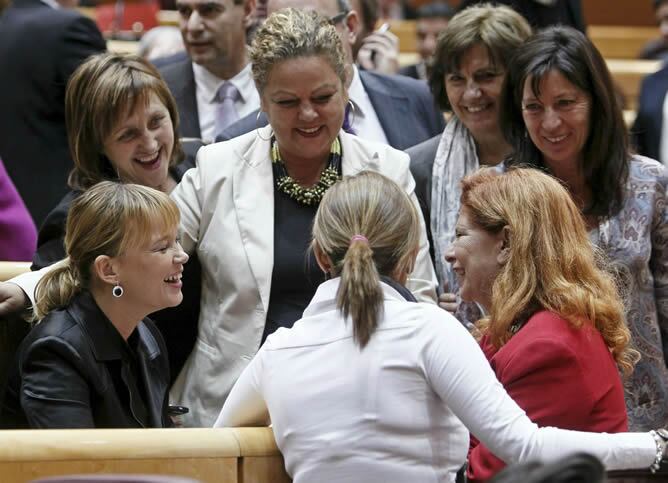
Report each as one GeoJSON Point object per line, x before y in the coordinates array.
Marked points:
{"type": "Point", "coordinates": [456, 157]}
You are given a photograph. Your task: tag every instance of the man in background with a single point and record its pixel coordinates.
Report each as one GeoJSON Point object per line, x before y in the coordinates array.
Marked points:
{"type": "Point", "coordinates": [212, 84]}
{"type": "Point", "coordinates": [432, 19]}
{"type": "Point", "coordinates": [41, 43]}
{"type": "Point", "coordinates": [658, 49]}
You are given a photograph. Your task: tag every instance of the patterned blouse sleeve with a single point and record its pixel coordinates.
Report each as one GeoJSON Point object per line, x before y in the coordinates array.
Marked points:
{"type": "Point", "coordinates": [659, 258]}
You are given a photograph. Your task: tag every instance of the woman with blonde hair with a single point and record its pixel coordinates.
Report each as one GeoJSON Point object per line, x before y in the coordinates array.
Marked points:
{"type": "Point", "coordinates": [95, 360]}
{"type": "Point", "coordinates": [370, 386]}
{"type": "Point", "coordinates": [554, 333]}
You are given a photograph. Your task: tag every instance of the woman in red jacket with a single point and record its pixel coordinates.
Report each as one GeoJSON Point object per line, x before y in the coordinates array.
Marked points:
{"type": "Point", "coordinates": [554, 332]}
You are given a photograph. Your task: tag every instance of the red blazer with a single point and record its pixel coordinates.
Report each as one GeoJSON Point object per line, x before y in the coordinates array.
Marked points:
{"type": "Point", "coordinates": [561, 376]}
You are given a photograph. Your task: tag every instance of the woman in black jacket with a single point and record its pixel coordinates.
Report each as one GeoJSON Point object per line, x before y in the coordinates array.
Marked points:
{"type": "Point", "coordinates": [95, 360]}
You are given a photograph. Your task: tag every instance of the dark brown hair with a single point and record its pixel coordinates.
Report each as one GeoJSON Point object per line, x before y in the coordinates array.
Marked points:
{"type": "Point", "coordinates": [606, 151]}
{"type": "Point", "coordinates": [499, 29]}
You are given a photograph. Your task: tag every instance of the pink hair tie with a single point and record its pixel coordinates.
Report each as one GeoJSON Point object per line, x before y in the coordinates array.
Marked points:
{"type": "Point", "coordinates": [361, 238]}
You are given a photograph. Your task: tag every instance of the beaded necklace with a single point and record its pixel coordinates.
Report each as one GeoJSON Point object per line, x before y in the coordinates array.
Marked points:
{"type": "Point", "coordinates": [307, 196]}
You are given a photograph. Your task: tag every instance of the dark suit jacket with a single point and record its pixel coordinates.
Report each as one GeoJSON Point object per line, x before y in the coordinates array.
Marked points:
{"type": "Point", "coordinates": [565, 12]}
{"type": "Point", "coordinates": [410, 71]}
{"type": "Point", "coordinates": [646, 130]}
{"type": "Point", "coordinates": [40, 47]}
{"type": "Point", "coordinates": [422, 162]}
{"type": "Point", "coordinates": [74, 370]}
{"type": "Point", "coordinates": [179, 76]}
{"type": "Point", "coordinates": [405, 108]}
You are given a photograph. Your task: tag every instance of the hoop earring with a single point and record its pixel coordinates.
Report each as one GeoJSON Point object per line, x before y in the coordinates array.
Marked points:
{"type": "Point", "coordinates": [351, 124]}
{"type": "Point", "coordinates": [257, 128]}
{"type": "Point", "coordinates": [117, 291]}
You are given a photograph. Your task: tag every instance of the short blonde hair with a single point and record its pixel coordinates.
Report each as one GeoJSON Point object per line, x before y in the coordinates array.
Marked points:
{"type": "Point", "coordinates": [375, 207]}
{"type": "Point", "coordinates": [291, 33]}
{"type": "Point", "coordinates": [552, 264]}
{"type": "Point", "coordinates": [105, 220]}
{"type": "Point", "coordinates": [102, 90]}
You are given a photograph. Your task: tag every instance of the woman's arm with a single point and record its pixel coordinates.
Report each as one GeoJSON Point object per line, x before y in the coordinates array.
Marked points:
{"type": "Point", "coordinates": [459, 373]}
{"type": "Point", "coordinates": [545, 377]}
{"type": "Point", "coordinates": [188, 196]}
{"type": "Point", "coordinates": [245, 406]}
{"type": "Point", "coordinates": [53, 392]}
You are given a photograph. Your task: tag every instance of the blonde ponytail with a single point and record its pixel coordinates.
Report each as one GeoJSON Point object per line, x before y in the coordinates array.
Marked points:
{"type": "Point", "coordinates": [368, 227]}
{"type": "Point", "coordinates": [56, 289]}
{"type": "Point", "coordinates": [359, 295]}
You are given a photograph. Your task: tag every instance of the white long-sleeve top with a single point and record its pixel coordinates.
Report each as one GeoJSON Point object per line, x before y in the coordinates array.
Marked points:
{"type": "Point", "coordinates": [393, 411]}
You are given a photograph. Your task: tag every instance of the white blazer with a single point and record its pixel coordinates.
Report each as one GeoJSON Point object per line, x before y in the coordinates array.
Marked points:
{"type": "Point", "coordinates": [227, 216]}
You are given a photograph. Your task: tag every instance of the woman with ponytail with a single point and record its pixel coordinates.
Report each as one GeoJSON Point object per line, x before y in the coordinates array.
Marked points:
{"type": "Point", "coordinates": [94, 360]}
{"type": "Point", "coordinates": [371, 386]}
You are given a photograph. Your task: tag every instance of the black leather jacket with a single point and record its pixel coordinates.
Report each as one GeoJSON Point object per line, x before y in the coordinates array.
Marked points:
{"type": "Point", "coordinates": [74, 370]}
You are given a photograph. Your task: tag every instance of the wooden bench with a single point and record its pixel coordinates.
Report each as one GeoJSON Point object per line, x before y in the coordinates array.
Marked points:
{"type": "Point", "coordinates": [233, 455]}
{"type": "Point", "coordinates": [619, 42]}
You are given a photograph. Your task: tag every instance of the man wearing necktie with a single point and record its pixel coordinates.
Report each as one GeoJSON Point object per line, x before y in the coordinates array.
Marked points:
{"type": "Point", "coordinates": [212, 84]}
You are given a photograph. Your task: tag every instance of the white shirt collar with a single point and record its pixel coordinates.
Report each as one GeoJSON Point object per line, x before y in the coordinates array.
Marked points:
{"type": "Point", "coordinates": [206, 87]}
{"type": "Point", "coordinates": [356, 92]}
{"type": "Point", "coordinates": [208, 83]}
{"type": "Point", "coordinates": [51, 3]}
{"type": "Point", "coordinates": [365, 121]}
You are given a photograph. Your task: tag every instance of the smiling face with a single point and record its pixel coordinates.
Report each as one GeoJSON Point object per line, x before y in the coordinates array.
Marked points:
{"type": "Point", "coordinates": [475, 256]}
{"type": "Point", "coordinates": [140, 146]}
{"type": "Point", "coordinates": [214, 33]}
{"type": "Point", "coordinates": [557, 120]}
{"type": "Point", "coordinates": [150, 274]}
{"type": "Point", "coordinates": [474, 90]}
{"type": "Point", "coordinates": [305, 102]}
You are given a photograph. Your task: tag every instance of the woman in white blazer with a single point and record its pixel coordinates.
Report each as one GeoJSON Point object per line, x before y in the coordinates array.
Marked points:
{"type": "Point", "coordinates": [248, 206]}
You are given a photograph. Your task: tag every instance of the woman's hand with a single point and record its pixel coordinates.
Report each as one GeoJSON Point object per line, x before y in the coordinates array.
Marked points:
{"type": "Point", "coordinates": [448, 300]}
{"type": "Point", "coordinates": [12, 298]}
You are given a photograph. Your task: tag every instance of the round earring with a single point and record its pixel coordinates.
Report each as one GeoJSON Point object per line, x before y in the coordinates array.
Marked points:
{"type": "Point", "coordinates": [257, 127]}
{"type": "Point", "coordinates": [117, 291]}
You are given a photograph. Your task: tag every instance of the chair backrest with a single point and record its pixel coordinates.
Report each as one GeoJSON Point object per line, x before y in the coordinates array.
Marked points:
{"type": "Point", "coordinates": [116, 479]}
{"type": "Point", "coordinates": [230, 455]}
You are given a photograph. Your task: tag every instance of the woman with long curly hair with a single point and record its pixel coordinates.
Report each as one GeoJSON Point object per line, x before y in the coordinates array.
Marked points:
{"type": "Point", "coordinates": [554, 333]}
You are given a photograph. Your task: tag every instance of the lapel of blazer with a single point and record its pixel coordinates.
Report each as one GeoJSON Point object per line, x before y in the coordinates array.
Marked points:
{"type": "Point", "coordinates": [357, 157]}
{"type": "Point", "coordinates": [186, 100]}
{"type": "Point", "coordinates": [253, 195]}
{"type": "Point", "coordinates": [392, 108]}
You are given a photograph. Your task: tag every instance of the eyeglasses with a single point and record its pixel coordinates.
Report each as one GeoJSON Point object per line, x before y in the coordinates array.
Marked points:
{"type": "Point", "coordinates": [334, 19]}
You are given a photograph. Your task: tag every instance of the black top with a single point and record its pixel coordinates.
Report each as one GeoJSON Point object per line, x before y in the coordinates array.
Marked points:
{"type": "Point", "coordinates": [177, 324]}
{"type": "Point", "coordinates": [74, 370]}
{"type": "Point", "coordinates": [296, 274]}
